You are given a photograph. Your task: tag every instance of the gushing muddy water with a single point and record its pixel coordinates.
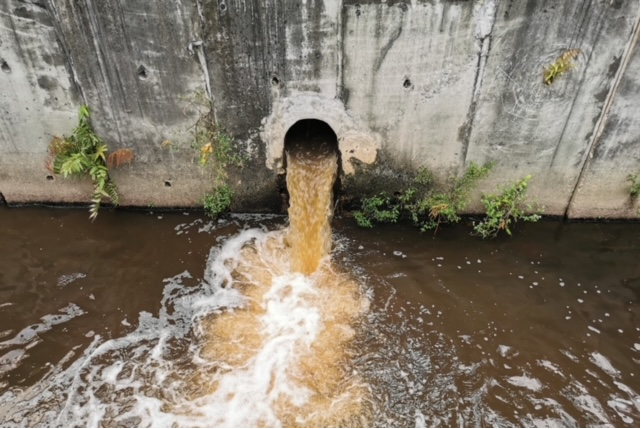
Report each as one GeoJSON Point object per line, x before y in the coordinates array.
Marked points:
{"type": "Point", "coordinates": [136, 320]}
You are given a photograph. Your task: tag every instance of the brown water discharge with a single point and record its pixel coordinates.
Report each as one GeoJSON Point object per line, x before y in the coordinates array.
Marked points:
{"type": "Point", "coordinates": [286, 347]}
{"type": "Point", "coordinates": [311, 175]}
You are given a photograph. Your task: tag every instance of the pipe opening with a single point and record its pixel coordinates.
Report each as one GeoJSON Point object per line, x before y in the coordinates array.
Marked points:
{"type": "Point", "coordinates": [311, 138]}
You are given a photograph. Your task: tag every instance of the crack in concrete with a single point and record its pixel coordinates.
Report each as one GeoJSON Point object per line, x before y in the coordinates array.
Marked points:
{"type": "Point", "coordinates": [197, 47]}
{"type": "Point", "coordinates": [339, 52]}
{"type": "Point", "coordinates": [485, 26]}
{"type": "Point", "coordinates": [64, 47]}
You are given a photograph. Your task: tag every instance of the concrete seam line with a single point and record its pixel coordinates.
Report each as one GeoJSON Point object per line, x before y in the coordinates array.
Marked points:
{"type": "Point", "coordinates": [340, 46]}
{"type": "Point", "coordinates": [54, 14]}
{"type": "Point", "coordinates": [483, 35]}
{"type": "Point", "coordinates": [600, 125]}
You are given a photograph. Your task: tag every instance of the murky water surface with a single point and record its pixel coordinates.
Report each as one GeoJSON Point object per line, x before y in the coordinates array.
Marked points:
{"type": "Point", "coordinates": [132, 320]}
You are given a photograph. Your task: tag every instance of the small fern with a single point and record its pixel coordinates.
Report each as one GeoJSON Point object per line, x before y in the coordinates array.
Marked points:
{"type": "Point", "coordinates": [84, 154]}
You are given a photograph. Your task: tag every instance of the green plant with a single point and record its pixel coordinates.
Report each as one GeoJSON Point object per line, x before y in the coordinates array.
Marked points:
{"type": "Point", "coordinates": [434, 208]}
{"type": "Point", "coordinates": [560, 66]}
{"type": "Point", "coordinates": [634, 185]}
{"type": "Point", "coordinates": [218, 201]}
{"type": "Point", "coordinates": [504, 209]}
{"type": "Point", "coordinates": [84, 154]}
{"type": "Point", "coordinates": [214, 147]}
{"type": "Point", "coordinates": [215, 150]}
{"type": "Point", "coordinates": [420, 202]}
{"type": "Point", "coordinates": [379, 208]}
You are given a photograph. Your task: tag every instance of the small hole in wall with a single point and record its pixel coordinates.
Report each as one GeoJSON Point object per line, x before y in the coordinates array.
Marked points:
{"type": "Point", "coordinates": [5, 67]}
{"type": "Point", "coordinates": [142, 72]}
{"type": "Point", "coordinates": [223, 6]}
{"type": "Point", "coordinates": [50, 177]}
{"type": "Point", "coordinates": [407, 84]}
{"type": "Point", "coordinates": [275, 81]}
{"type": "Point", "coordinates": [168, 183]}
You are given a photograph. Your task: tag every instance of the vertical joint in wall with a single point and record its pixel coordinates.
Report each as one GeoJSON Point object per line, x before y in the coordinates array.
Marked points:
{"type": "Point", "coordinates": [339, 51]}
{"type": "Point", "coordinates": [483, 34]}
{"type": "Point", "coordinates": [197, 47]}
{"type": "Point", "coordinates": [64, 47]}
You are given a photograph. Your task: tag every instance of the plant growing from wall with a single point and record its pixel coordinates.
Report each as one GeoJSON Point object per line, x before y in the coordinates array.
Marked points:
{"type": "Point", "coordinates": [218, 201]}
{"type": "Point", "coordinates": [561, 65]}
{"type": "Point", "coordinates": [379, 208]}
{"type": "Point", "coordinates": [426, 207]}
{"type": "Point", "coordinates": [506, 208]}
{"type": "Point", "coordinates": [433, 208]}
{"type": "Point", "coordinates": [634, 185]}
{"type": "Point", "coordinates": [84, 154]}
{"type": "Point", "coordinates": [215, 151]}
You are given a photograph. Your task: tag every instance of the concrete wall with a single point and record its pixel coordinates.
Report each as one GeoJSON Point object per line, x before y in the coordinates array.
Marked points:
{"type": "Point", "coordinates": [404, 84]}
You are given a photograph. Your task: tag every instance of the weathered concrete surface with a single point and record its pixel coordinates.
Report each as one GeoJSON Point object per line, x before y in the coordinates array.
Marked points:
{"type": "Point", "coordinates": [404, 84]}
{"type": "Point", "coordinates": [530, 128]}
{"type": "Point", "coordinates": [409, 71]}
{"type": "Point", "coordinates": [37, 98]}
{"type": "Point", "coordinates": [615, 152]}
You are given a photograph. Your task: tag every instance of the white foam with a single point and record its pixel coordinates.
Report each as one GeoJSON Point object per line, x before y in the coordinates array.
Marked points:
{"type": "Point", "coordinates": [31, 332]}
{"type": "Point", "coordinates": [525, 381]}
{"type": "Point", "coordinates": [66, 279]}
{"type": "Point", "coordinates": [602, 362]}
{"type": "Point", "coordinates": [504, 350]}
{"type": "Point", "coordinates": [550, 366]}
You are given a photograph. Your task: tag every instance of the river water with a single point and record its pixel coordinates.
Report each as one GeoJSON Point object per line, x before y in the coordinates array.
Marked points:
{"type": "Point", "coordinates": [171, 319]}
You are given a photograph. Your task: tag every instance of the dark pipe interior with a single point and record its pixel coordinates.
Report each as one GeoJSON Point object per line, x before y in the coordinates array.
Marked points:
{"type": "Point", "coordinates": [311, 136]}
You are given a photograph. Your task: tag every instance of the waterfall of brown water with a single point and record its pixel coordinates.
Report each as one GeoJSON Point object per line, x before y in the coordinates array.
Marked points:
{"type": "Point", "coordinates": [310, 177]}
{"type": "Point", "coordinates": [287, 348]}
